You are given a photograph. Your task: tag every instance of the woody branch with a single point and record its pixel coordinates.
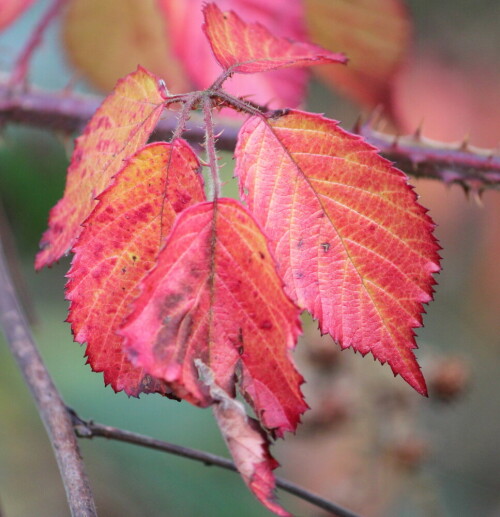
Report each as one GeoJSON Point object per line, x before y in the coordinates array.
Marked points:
{"type": "Point", "coordinates": [66, 112]}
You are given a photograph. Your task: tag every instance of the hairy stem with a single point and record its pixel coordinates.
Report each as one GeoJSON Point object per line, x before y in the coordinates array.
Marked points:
{"type": "Point", "coordinates": [89, 429]}
{"type": "Point", "coordinates": [48, 401]}
{"type": "Point", "coordinates": [20, 72]}
{"type": "Point", "coordinates": [210, 148]}
{"type": "Point", "coordinates": [185, 114]}
{"type": "Point", "coordinates": [418, 157]}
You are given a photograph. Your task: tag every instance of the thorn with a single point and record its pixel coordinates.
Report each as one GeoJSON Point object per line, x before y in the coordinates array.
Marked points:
{"type": "Point", "coordinates": [395, 142]}
{"type": "Point", "coordinates": [374, 117]}
{"type": "Point", "coordinates": [464, 145]}
{"type": "Point", "coordinates": [417, 135]}
{"type": "Point", "coordinates": [162, 86]}
{"type": "Point", "coordinates": [358, 124]}
{"type": "Point", "coordinates": [476, 196]}
{"type": "Point", "coordinates": [381, 125]}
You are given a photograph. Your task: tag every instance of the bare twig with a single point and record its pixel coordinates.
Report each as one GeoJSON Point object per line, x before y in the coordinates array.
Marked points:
{"type": "Point", "coordinates": [471, 167]}
{"type": "Point", "coordinates": [90, 429]}
{"type": "Point", "coordinates": [48, 401]}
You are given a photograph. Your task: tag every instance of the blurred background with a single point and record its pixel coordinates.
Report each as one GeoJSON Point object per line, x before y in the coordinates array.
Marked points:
{"type": "Point", "coordinates": [369, 442]}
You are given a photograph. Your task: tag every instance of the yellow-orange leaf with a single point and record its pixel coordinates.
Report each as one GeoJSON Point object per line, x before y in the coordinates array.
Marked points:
{"type": "Point", "coordinates": [215, 296]}
{"type": "Point", "coordinates": [118, 128]}
{"type": "Point", "coordinates": [353, 245]}
{"type": "Point", "coordinates": [107, 39]}
{"type": "Point", "coordinates": [119, 245]}
{"type": "Point", "coordinates": [375, 36]}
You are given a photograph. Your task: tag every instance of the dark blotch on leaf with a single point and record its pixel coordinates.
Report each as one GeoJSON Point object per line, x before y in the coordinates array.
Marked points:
{"type": "Point", "coordinates": [266, 325]}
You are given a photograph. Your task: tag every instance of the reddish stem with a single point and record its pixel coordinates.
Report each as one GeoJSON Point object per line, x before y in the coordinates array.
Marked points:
{"type": "Point", "coordinates": [188, 102]}
{"type": "Point", "coordinates": [210, 147]}
{"type": "Point", "coordinates": [20, 71]}
{"type": "Point", "coordinates": [216, 85]}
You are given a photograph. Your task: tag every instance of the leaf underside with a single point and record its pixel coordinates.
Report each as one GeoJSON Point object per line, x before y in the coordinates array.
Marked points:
{"type": "Point", "coordinates": [351, 242]}
{"type": "Point", "coordinates": [119, 245]}
{"type": "Point", "coordinates": [245, 439]}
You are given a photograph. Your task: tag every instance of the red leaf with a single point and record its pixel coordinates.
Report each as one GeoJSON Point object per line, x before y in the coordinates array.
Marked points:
{"type": "Point", "coordinates": [248, 48]}
{"type": "Point", "coordinates": [119, 245]}
{"type": "Point", "coordinates": [118, 128]}
{"type": "Point", "coordinates": [285, 87]}
{"type": "Point", "coordinates": [215, 296]}
{"type": "Point", "coordinates": [375, 34]}
{"type": "Point", "coordinates": [248, 444]}
{"type": "Point", "coordinates": [11, 9]}
{"type": "Point", "coordinates": [353, 245]}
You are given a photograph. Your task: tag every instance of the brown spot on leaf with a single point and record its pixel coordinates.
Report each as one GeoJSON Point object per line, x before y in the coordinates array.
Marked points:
{"type": "Point", "coordinates": [325, 246]}
{"type": "Point", "coordinates": [266, 325]}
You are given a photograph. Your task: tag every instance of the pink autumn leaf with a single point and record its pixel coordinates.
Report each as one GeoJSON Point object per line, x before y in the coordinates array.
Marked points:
{"type": "Point", "coordinates": [280, 88]}
{"type": "Point", "coordinates": [248, 48]}
{"type": "Point", "coordinates": [353, 245]}
{"type": "Point", "coordinates": [215, 296]}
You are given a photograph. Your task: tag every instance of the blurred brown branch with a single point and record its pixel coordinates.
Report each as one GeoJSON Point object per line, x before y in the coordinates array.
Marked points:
{"type": "Point", "coordinates": [48, 401]}
{"type": "Point", "coordinates": [66, 112]}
